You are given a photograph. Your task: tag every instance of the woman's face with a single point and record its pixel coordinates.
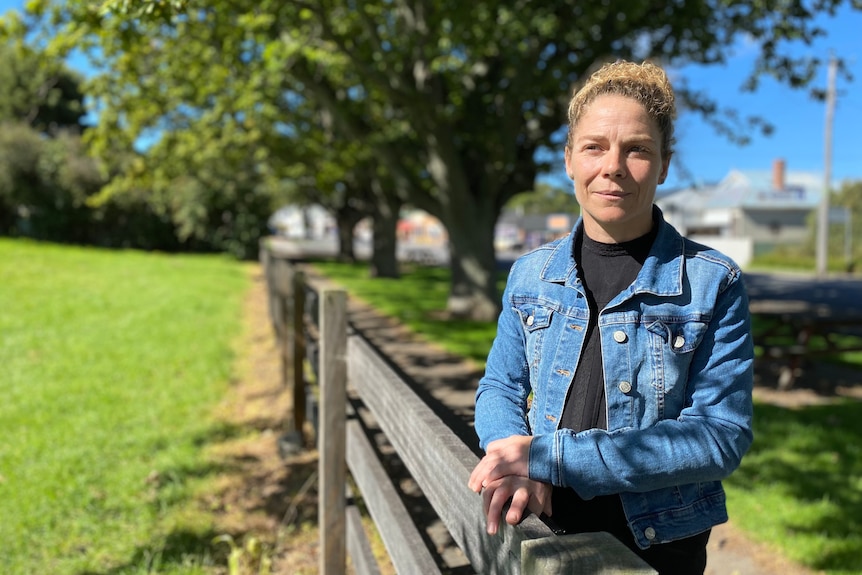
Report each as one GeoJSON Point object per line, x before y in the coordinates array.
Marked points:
{"type": "Point", "coordinates": [614, 157]}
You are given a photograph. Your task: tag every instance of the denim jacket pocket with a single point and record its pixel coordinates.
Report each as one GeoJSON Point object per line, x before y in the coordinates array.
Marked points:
{"type": "Point", "coordinates": [674, 341]}
{"type": "Point", "coordinates": [533, 315]}
{"type": "Point", "coordinates": [680, 336]}
{"type": "Point", "coordinates": [535, 320]}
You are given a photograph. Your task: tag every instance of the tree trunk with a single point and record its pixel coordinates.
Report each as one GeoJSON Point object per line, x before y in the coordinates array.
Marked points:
{"type": "Point", "coordinates": [467, 195]}
{"type": "Point", "coordinates": [346, 222]}
{"type": "Point", "coordinates": [7, 221]}
{"type": "Point", "coordinates": [473, 294]}
{"type": "Point", "coordinates": [384, 262]}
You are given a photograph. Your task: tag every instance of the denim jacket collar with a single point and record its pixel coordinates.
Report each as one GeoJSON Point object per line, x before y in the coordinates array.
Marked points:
{"type": "Point", "coordinates": [661, 274]}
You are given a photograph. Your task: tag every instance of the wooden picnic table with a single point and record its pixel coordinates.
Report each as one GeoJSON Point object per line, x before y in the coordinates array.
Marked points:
{"type": "Point", "coordinates": [797, 332]}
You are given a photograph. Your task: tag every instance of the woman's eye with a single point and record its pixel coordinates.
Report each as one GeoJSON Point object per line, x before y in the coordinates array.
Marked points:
{"type": "Point", "coordinates": [639, 150]}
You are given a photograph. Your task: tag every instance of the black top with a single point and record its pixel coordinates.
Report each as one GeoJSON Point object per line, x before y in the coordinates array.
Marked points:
{"type": "Point", "coordinates": [606, 270]}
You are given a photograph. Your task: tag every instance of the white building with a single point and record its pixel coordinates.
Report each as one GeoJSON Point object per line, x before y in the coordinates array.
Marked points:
{"type": "Point", "coordinates": [747, 212]}
{"type": "Point", "coordinates": [303, 222]}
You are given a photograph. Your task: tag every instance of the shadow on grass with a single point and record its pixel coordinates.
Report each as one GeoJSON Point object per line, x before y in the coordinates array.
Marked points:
{"type": "Point", "coordinates": [418, 300]}
{"type": "Point", "coordinates": [218, 433]}
{"type": "Point", "coordinates": [813, 455]}
{"type": "Point", "coordinates": [280, 492]}
{"type": "Point", "coordinates": [180, 549]}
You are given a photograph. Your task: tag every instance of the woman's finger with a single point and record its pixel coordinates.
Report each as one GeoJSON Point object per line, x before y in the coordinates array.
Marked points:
{"type": "Point", "coordinates": [494, 498]}
{"type": "Point", "coordinates": [520, 500]}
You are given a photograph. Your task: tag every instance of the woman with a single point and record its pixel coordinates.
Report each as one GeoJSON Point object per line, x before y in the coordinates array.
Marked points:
{"type": "Point", "coordinates": [617, 393]}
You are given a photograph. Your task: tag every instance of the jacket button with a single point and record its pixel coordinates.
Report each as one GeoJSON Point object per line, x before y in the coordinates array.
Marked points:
{"type": "Point", "coordinates": [625, 386]}
{"type": "Point", "coordinates": [620, 336]}
{"type": "Point", "coordinates": [678, 342]}
{"type": "Point", "coordinates": [649, 533]}
{"type": "Point", "coordinates": [530, 320]}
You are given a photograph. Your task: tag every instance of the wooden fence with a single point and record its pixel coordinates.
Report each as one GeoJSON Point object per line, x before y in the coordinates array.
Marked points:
{"type": "Point", "coordinates": [317, 342]}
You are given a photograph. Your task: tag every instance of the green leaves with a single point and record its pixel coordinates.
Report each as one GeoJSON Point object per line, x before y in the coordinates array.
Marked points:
{"type": "Point", "coordinates": [143, 8]}
{"type": "Point", "coordinates": [451, 106]}
{"type": "Point", "coordinates": [37, 91]}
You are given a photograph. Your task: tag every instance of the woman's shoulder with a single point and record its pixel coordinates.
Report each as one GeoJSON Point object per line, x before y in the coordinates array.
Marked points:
{"type": "Point", "coordinates": [694, 250]}
{"type": "Point", "coordinates": [538, 256]}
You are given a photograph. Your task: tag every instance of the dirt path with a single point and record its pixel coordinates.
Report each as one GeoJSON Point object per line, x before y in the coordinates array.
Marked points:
{"type": "Point", "coordinates": [272, 502]}
{"type": "Point", "coordinates": [267, 504]}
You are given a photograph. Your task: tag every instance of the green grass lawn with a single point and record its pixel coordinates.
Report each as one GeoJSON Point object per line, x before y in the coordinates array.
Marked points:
{"type": "Point", "coordinates": [800, 487]}
{"type": "Point", "coordinates": [112, 362]}
{"type": "Point", "coordinates": [416, 299]}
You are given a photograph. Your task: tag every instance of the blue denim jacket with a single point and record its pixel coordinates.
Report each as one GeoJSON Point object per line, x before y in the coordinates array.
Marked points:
{"type": "Point", "coordinates": [678, 357]}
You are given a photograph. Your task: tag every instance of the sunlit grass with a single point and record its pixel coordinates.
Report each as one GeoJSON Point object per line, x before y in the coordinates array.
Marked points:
{"type": "Point", "coordinates": [111, 364]}
{"type": "Point", "coordinates": [417, 299]}
{"type": "Point", "coordinates": [800, 486]}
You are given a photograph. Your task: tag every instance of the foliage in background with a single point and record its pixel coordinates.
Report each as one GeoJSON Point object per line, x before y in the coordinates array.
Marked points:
{"type": "Point", "coordinates": [544, 199]}
{"type": "Point", "coordinates": [53, 189]}
{"type": "Point", "coordinates": [45, 174]}
{"type": "Point", "coordinates": [112, 364]}
{"type": "Point", "coordinates": [38, 91]}
{"type": "Point", "coordinates": [47, 177]}
{"type": "Point", "coordinates": [844, 237]}
{"type": "Point", "coordinates": [459, 106]}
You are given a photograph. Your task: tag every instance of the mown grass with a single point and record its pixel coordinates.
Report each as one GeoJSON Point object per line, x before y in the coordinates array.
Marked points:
{"type": "Point", "coordinates": [417, 299]}
{"type": "Point", "coordinates": [111, 362]}
{"type": "Point", "coordinates": [800, 487]}
{"type": "Point", "coordinates": [799, 259]}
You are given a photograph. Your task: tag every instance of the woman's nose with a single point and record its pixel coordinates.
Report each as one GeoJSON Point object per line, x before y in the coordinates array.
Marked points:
{"type": "Point", "coordinates": [614, 165]}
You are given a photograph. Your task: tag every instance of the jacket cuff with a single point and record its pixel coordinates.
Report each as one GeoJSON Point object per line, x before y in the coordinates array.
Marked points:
{"type": "Point", "coordinates": [543, 461]}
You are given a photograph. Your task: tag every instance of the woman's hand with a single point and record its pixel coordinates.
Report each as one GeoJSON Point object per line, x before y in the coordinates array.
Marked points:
{"type": "Point", "coordinates": [503, 475]}
{"type": "Point", "coordinates": [504, 457]}
{"type": "Point", "coordinates": [524, 494]}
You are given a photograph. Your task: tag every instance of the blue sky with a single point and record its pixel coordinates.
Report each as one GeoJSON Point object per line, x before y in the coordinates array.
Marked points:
{"type": "Point", "coordinates": [798, 120]}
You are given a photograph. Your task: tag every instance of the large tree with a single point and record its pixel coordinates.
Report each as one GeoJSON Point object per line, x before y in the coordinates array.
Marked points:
{"type": "Point", "coordinates": [45, 173]}
{"type": "Point", "coordinates": [455, 98]}
{"type": "Point", "coordinates": [37, 91]}
{"type": "Point", "coordinates": [484, 87]}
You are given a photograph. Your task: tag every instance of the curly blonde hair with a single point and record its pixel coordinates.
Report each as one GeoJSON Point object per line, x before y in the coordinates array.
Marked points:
{"type": "Point", "coordinates": [646, 83]}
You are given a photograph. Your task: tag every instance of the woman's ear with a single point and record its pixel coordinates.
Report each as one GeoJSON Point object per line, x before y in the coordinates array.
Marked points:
{"type": "Point", "coordinates": [664, 169]}
{"type": "Point", "coordinates": [567, 153]}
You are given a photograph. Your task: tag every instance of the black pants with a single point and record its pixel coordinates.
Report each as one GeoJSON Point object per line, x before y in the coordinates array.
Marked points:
{"type": "Point", "coordinates": [571, 514]}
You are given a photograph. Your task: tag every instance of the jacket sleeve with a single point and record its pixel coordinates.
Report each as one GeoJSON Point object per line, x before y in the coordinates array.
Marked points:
{"type": "Point", "coordinates": [501, 398]}
{"type": "Point", "coordinates": [705, 442]}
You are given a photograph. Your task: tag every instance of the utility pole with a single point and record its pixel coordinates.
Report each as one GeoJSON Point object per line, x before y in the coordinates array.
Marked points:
{"type": "Point", "coordinates": [823, 215]}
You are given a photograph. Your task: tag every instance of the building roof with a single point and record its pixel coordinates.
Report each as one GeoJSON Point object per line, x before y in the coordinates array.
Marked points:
{"type": "Point", "coordinates": [751, 189]}
{"type": "Point", "coordinates": [754, 189]}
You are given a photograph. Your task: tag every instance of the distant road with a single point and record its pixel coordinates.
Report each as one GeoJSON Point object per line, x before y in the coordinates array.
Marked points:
{"type": "Point", "coordinates": [833, 296]}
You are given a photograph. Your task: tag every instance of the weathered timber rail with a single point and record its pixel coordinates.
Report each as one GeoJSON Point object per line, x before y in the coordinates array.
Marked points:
{"type": "Point", "coordinates": [358, 390]}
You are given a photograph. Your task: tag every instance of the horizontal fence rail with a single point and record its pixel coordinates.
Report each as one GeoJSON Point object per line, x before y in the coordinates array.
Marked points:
{"type": "Point", "coordinates": [350, 373]}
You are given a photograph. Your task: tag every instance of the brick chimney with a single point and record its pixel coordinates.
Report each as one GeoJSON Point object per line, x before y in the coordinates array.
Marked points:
{"type": "Point", "coordinates": [778, 174]}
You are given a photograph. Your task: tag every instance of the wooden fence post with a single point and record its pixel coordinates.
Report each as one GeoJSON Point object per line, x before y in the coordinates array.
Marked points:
{"type": "Point", "coordinates": [298, 353]}
{"type": "Point", "coordinates": [265, 256]}
{"type": "Point", "coordinates": [332, 462]}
